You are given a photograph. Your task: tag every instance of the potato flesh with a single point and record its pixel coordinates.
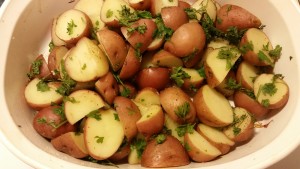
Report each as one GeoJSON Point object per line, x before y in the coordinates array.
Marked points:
{"type": "Point", "coordinates": [113, 6]}
{"type": "Point", "coordinates": [109, 128]}
{"type": "Point", "coordinates": [33, 96]}
{"type": "Point", "coordinates": [79, 141]}
{"type": "Point", "coordinates": [248, 73]}
{"type": "Point", "coordinates": [153, 110]}
{"type": "Point", "coordinates": [86, 101]}
{"type": "Point", "coordinates": [218, 104]}
{"type": "Point", "coordinates": [86, 62]}
{"type": "Point", "coordinates": [172, 125]}
{"type": "Point", "coordinates": [147, 97]}
{"type": "Point", "coordinates": [195, 76]}
{"type": "Point", "coordinates": [159, 4]}
{"type": "Point", "coordinates": [215, 134]}
{"type": "Point", "coordinates": [209, 7]}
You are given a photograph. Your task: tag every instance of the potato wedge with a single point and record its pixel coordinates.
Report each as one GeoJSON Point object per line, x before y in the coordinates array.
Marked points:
{"type": "Point", "coordinates": [246, 75]}
{"type": "Point", "coordinates": [82, 102]}
{"type": "Point", "coordinates": [242, 129]}
{"type": "Point", "coordinates": [178, 105]}
{"type": "Point", "coordinates": [107, 87]}
{"type": "Point", "coordinates": [103, 137]}
{"type": "Point", "coordinates": [39, 94]}
{"type": "Point", "coordinates": [156, 44]}
{"type": "Point", "coordinates": [131, 64]}
{"type": "Point", "coordinates": [147, 96]}
{"type": "Point", "coordinates": [71, 143]}
{"type": "Point", "coordinates": [232, 15]}
{"type": "Point", "coordinates": [54, 38]}
{"type": "Point", "coordinates": [271, 91]}
{"type": "Point", "coordinates": [114, 47]}
{"type": "Point", "coordinates": [169, 153]}
{"type": "Point", "coordinates": [165, 59]}
{"type": "Point", "coordinates": [128, 114]}
{"type": "Point", "coordinates": [157, 5]}
{"type": "Point", "coordinates": [72, 25]}
{"type": "Point", "coordinates": [205, 103]}
{"type": "Point", "coordinates": [199, 149]}
{"type": "Point", "coordinates": [216, 137]}
{"type": "Point", "coordinates": [86, 62]}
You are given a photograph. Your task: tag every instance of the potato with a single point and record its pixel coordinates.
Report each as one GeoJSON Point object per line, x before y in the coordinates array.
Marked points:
{"type": "Point", "coordinates": [232, 15]}
{"type": "Point", "coordinates": [169, 13]}
{"type": "Point", "coordinates": [72, 25]}
{"type": "Point", "coordinates": [259, 46]}
{"type": "Point", "coordinates": [114, 47]}
{"type": "Point", "coordinates": [83, 85]}
{"type": "Point", "coordinates": [199, 149]}
{"type": "Point", "coordinates": [271, 91]}
{"type": "Point", "coordinates": [165, 59]}
{"type": "Point", "coordinates": [82, 103]}
{"type": "Point", "coordinates": [54, 59]}
{"type": "Point", "coordinates": [147, 96]}
{"type": "Point", "coordinates": [128, 114]}
{"type": "Point", "coordinates": [218, 63]}
{"type": "Point", "coordinates": [205, 103]}
{"type": "Point", "coordinates": [223, 86]}
{"type": "Point", "coordinates": [71, 143]}
{"type": "Point", "coordinates": [195, 80]}
{"type": "Point", "coordinates": [170, 124]}
{"type": "Point", "coordinates": [192, 59]}
{"type": "Point", "coordinates": [147, 60]}
{"type": "Point", "coordinates": [183, 4]}
{"type": "Point", "coordinates": [133, 157]}
{"type": "Point", "coordinates": [156, 44]}
{"type": "Point", "coordinates": [205, 5]}
{"type": "Point", "coordinates": [242, 129]}
{"type": "Point", "coordinates": [189, 1]}
{"type": "Point", "coordinates": [50, 123]}
{"type": "Point", "coordinates": [140, 4]}
{"type": "Point", "coordinates": [122, 152]}
{"type": "Point", "coordinates": [107, 87]}
{"type": "Point", "coordinates": [169, 153]}
{"type": "Point", "coordinates": [242, 100]}
{"type": "Point", "coordinates": [39, 69]}
{"type": "Point", "coordinates": [246, 75]}
{"type": "Point", "coordinates": [154, 117]}
{"type": "Point", "coordinates": [157, 5]}
{"type": "Point", "coordinates": [86, 62]}
{"type": "Point", "coordinates": [131, 64]}
{"type": "Point", "coordinates": [110, 11]}
{"type": "Point", "coordinates": [178, 105]}
{"type": "Point", "coordinates": [56, 41]}
{"type": "Point", "coordinates": [140, 40]}
{"type": "Point", "coordinates": [157, 78]}
{"type": "Point", "coordinates": [39, 94]}
{"type": "Point", "coordinates": [185, 36]}
{"type": "Point", "coordinates": [127, 90]}
{"type": "Point", "coordinates": [216, 137]}
{"type": "Point", "coordinates": [103, 136]}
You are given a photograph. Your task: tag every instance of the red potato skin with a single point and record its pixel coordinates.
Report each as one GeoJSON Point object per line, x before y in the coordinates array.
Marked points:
{"type": "Point", "coordinates": [232, 15]}
{"type": "Point", "coordinates": [183, 5]}
{"type": "Point", "coordinates": [170, 153]}
{"type": "Point", "coordinates": [107, 87]}
{"type": "Point", "coordinates": [252, 106]}
{"type": "Point", "coordinates": [131, 65]}
{"type": "Point", "coordinates": [130, 87]}
{"type": "Point", "coordinates": [121, 153]}
{"type": "Point", "coordinates": [169, 13]}
{"type": "Point", "coordinates": [46, 130]}
{"type": "Point", "coordinates": [143, 5]}
{"type": "Point", "coordinates": [191, 62]}
{"type": "Point", "coordinates": [155, 77]}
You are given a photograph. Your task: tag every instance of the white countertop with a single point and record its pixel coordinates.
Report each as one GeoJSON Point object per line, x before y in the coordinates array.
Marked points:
{"type": "Point", "coordinates": [9, 161]}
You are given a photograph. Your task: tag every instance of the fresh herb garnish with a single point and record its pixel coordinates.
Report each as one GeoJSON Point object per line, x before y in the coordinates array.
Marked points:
{"type": "Point", "coordinates": [109, 13]}
{"type": "Point", "coordinates": [185, 128]}
{"type": "Point", "coordinates": [51, 46]}
{"type": "Point", "coordinates": [42, 86]}
{"type": "Point", "coordinates": [139, 145]}
{"type": "Point", "coordinates": [232, 84]}
{"type": "Point", "coordinates": [116, 117]}
{"type": "Point", "coordinates": [183, 110]}
{"type": "Point", "coordinates": [263, 57]}
{"type": "Point", "coordinates": [71, 26]}
{"type": "Point", "coordinates": [229, 54]}
{"type": "Point", "coordinates": [161, 138]}
{"type": "Point", "coordinates": [276, 53]}
{"type": "Point", "coordinates": [67, 82]}
{"type": "Point", "coordinates": [201, 72]}
{"type": "Point", "coordinates": [95, 114]}
{"type": "Point", "coordinates": [178, 75]}
{"type": "Point", "coordinates": [162, 31]}
{"type": "Point", "coordinates": [35, 68]}
{"type": "Point", "coordinates": [99, 139]}
{"type": "Point", "coordinates": [246, 47]}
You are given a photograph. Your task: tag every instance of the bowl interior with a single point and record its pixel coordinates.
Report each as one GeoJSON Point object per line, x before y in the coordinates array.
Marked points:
{"type": "Point", "coordinates": [31, 36]}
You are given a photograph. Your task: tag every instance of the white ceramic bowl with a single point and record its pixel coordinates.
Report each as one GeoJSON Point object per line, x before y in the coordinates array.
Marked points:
{"type": "Point", "coordinates": [24, 32]}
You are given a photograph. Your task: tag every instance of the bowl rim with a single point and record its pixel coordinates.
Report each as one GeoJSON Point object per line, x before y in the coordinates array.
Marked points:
{"type": "Point", "coordinates": [260, 160]}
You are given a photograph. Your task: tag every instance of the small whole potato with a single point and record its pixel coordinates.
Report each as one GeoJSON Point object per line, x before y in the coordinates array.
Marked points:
{"type": "Point", "coordinates": [50, 124]}
{"type": "Point", "coordinates": [184, 42]}
{"type": "Point", "coordinates": [155, 77]}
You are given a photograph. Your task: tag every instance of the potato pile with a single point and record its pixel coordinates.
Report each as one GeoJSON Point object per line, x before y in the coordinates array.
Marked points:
{"type": "Point", "coordinates": [159, 83]}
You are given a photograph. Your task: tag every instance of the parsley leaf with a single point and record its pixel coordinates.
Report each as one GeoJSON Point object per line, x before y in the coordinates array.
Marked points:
{"type": "Point", "coordinates": [51, 46]}
{"type": "Point", "coordinates": [139, 145]}
{"type": "Point", "coordinates": [71, 26]}
{"type": "Point", "coordinates": [263, 57]}
{"type": "Point", "coordinates": [35, 68]}
{"type": "Point", "coordinates": [95, 114]}
{"type": "Point", "coordinates": [67, 82]}
{"type": "Point", "coordinates": [228, 54]}
{"type": "Point", "coordinates": [42, 86]}
{"type": "Point", "coordinates": [99, 139]}
{"type": "Point", "coordinates": [246, 47]}
{"type": "Point", "coordinates": [185, 128]}
{"type": "Point", "coordinates": [276, 53]}
{"type": "Point", "coordinates": [161, 138]}
{"type": "Point", "coordinates": [162, 31]}
{"type": "Point", "coordinates": [183, 110]}
{"type": "Point", "coordinates": [178, 74]}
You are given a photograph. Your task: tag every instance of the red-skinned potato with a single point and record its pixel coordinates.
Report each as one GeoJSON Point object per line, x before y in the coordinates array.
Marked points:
{"type": "Point", "coordinates": [194, 82]}
{"type": "Point", "coordinates": [185, 36]}
{"type": "Point", "coordinates": [178, 105]}
{"type": "Point", "coordinates": [128, 114]}
{"type": "Point", "coordinates": [55, 58]}
{"type": "Point", "coordinates": [131, 64]}
{"type": "Point", "coordinates": [107, 87]}
{"type": "Point", "coordinates": [39, 69]}
{"type": "Point", "coordinates": [232, 15]}
{"type": "Point", "coordinates": [192, 59]}
{"type": "Point", "coordinates": [157, 5]}
{"type": "Point", "coordinates": [223, 87]}
{"type": "Point", "coordinates": [169, 13]}
{"type": "Point", "coordinates": [72, 25]}
{"type": "Point", "coordinates": [122, 152]}
{"type": "Point", "coordinates": [241, 99]}
{"type": "Point", "coordinates": [246, 74]}
{"type": "Point", "coordinates": [166, 59]}
{"type": "Point", "coordinates": [56, 41]}
{"type": "Point", "coordinates": [183, 4]}
{"type": "Point", "coordinates": [147, 60]}
{"type": "Point", "coordinates": [128, 90]}
{"type": "Point", "coordinates": [49, 124]}
{"type": "Point", "coordinates": [156, 44]}
{"type": "Point", "coordinates": [140, 4]}
{"type": "Point", "coordinates": [157, 78]}
{"type": "Point", "coordinates": [71, 143]}
{"type": "Point", "coordinates": [114, 46]}
{"type": "Point", "coordinates": [169, 153]}
{"type": "Point", "coordinates": [140, 40]}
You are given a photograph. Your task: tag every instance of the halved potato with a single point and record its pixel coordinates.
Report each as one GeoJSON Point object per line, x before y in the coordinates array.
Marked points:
{"type": "Point", "coordinates": [216, 137]}
{"type": "Point", "coordinates": [169, 153]}
{"type": "Point", "coordinates": [155, 77]}
{"type": "Point", "coordinates": [223, 86]}
{"type": "Point", "coordinates": [140, 4]}
{"type": "Point", "coordinates": [121, 153]}
{"type": "Point", "coordinates": [156, 44]}
{"type": "Point", "coordinates": [147, 96]}
{"type": "Point", "coordinates": [103, 137]}
{"type": "Point", "coordinates": [157, 5]}
{"type": "Point", "coordinates": [71, 143]}
{"type": "Point", "coordinates": [39, 69]}
{"type": "Point", "coordinates": [242, 129]}
{"type": "Point", "coordinates": [271, 91]}
{"type": "Point", "coordinates": [55, 58]}
{"type": "Point", "coordinates": [72, 25]}
{"type": "Point", "coordinates": [82, 102]}
{"type": "Point", "coordinates": [246, 75]}
{"type": "Point", "coordinates": [107, 87]}
{"type": "Point", "coordinates": [199, 149]}
{"type": "Point", "coordinates": [39, 97]}
{"type": "Point", "coordinates": [114, 46]}
{"type": "Point", "coordinates": [86, 62]}
{"type": "Point", "coordinates": [205, 103]}
{"type": "Point", "coordinates": [166, 59]}
{"type": "Point", "coordinates": [170, 124]}
{"type": "Point", "coordinates": [205, 5]}
{"type": "Point", "coordinates": [168, 15]}
{"type": "Point", "coordinates": [54, 38]}
{"type": "Point", "coordinates": [131, 64]}
{"type": "Point", "coordinates": [195, 81]}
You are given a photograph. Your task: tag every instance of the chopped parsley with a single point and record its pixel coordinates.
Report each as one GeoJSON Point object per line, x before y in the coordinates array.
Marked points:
{"type": "Point", "coordinates": [232, 84]}
{"type": "Point", "coordinates": [228, 54]}
{"type": "Point", "coordinates": [42, 86]}
{"type": "Point", "coordinates": [246, 47]}
{"type": "Point", "coordinates": [139, 145]}
{"type": "Point", "coordinates": [140, 29]}
{"type": "Point", "coordinates": [269, 88]}
{"type": "Point", "coordinates": [183, 110]}
{"type": "Point", "coordinates": [71, 26]}
{"type": "Point", "coordinates": [137, 50]}
{"type": "Point", "coordinates": [276, 53]}
{"type": "Point", "coordinates": [95, 114]}
{"type": "Point", "coordinates": [109, 13]}
{"type": "Point", "coordinates": [201, 72]}
{"type": "Point", "coordinates": [67, 82]}
{"type": "Point", "coordinates": [125, 92]}
{"type": "Point", "coordinates": [51, 46]}
{"type": "Point", "coordinates": [162, 31]}
{"type": "Point", "coordinates": [99, 139]}
{"type": "Point", "coordinates": [60, 111]}
{"type": "Point", "coordinates": [127, 18]}
{"type": "Point", "coordinates": [265, 102]}
{"type": "Point", "coordinates": [35, 68]}
{"type": "Point", "coordinates": [178, 75]}
{"type": "Point", "coordinates": [237, 121]}
{"type": "Point", "coordinates": [116, 117]}
{"type": "Point", "coordinates": [263, 57]}
{"type": "Point", "coordinates": [83, 67]}
{"type": "Point", "coordinates": [161, 138]}
{"type": "Point", "coordinates": [185, 128]}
